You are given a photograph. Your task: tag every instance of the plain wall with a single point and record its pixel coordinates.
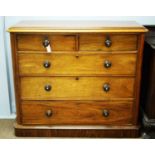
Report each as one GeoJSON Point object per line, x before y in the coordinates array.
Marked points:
{"type": "Point", "coordinates": [4, 93]}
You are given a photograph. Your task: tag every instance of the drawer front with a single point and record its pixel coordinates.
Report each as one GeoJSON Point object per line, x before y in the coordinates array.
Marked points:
{"type": "Point", "coordinates": [81, 64]}
{"type": "Point", "coordinates": [76, 113]}
{"type": "Point", "coordinates": [111, 42]}
{"type": "Point", "coordinates": [76, 88]}
{"type": "Point", "coordinates": [34, 42]}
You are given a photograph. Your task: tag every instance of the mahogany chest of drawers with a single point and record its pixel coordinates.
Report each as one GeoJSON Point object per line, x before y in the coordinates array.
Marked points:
{"type": "Point", "coordinates": [77, 78]}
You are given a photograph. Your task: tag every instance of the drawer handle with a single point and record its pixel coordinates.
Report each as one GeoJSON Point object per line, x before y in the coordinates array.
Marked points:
{"type": "Point", "coordinates": [108, 42]}
{"type": "Point", "coordinates": [107, 64]}
{"type": "Point", "coordinates": [106, 87]}
{"type": "Point", "coordinates": [48, 87]}
{"type": "Point", "coordinates": [46, 44]}
{"type": "Point", "coordinates": [46, 64]}
{"type": "Point", "coordinates": [48, 113]}
{"type": "Point", "coordinates": [105, 113]}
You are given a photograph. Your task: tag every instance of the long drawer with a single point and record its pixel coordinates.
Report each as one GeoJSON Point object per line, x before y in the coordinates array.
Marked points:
{"type": "Point", "coordinates": [76, 113]}
{"type": "Point", "coordinates": [76, 88]}
{"type": "Point", "coordinates": [77, 64]}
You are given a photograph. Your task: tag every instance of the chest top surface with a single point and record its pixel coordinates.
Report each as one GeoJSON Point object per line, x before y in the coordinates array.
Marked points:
{"type": "Point", "coordinates": [78, 26]}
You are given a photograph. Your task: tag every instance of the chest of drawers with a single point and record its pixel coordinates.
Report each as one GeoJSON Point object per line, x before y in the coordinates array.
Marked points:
{"type": "Point", "coordinates": [77, 78]}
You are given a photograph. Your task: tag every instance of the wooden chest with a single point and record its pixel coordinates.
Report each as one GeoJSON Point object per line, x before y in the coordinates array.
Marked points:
{"type": "Point", "coordinates": [77, 78]}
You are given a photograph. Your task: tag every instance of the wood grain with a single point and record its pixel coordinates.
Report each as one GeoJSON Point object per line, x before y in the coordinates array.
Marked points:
{"type": "Point", "coordinates": [34, 42]}
{"type": "Point", "coordinates": [138, 78]}
{"type": "Point", "coordinates": [123, 131]}
{"type": "Point", "coordinates": [16, 77]}
{"type": "Point", "coordinates": [97, 42]}
{"type": "Point", "coordinates": [78, 26]}
{"type": "Point", "coordinates": [76, 64]}
{"type": "Point", "coordinates": [71, 88]}
{"type": "Point", "coordinates": [76, 113]}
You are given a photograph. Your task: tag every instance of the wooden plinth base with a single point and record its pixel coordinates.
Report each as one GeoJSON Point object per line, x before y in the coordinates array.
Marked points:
{"type": "Point", "coordinates": [77, 131]}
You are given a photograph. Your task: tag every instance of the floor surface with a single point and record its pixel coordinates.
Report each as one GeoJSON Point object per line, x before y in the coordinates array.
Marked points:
{"type": "Point", "coordinates": [6, 128]}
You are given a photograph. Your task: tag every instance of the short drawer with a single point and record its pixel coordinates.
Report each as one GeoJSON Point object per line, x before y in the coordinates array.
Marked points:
{"type": "Point", "coordinates": [35, 42]}
{"type": "Point", "coordinates": [73, 64]}
{"type": "Point", "coordinates": [108, 42]}
{"type": "Point", "coordinates": [76, 113]}
{"type": "Point", "coordinates": [76, 88]}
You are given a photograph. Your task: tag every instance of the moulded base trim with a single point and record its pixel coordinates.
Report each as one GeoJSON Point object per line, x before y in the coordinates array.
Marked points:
{"type": "Point", "coordinates": [77, 131]}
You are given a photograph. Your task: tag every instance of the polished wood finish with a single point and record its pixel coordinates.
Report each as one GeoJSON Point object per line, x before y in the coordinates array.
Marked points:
{"type": "Point", "coordinates": [96, 42]}
{"type": "Point", "coordinates": [76, 112]}
{"type": "Point", "coordinates": [16, 76]}
{"type": "Point", "coordinates": [138, 78]}
{"type": "Point", "coordinates": [62, 64]}
{"type": "Point", "coordinates": [87, 79]}
{"type": "Point", "coordinates": [77, 131]}
{"type": "Point", "coordinates": [87, 42]}
{"type": "Point", "coordinates": [76, 88]}
{"type": "Point", "coordinates": [33, 42]}
{"type": "Point", "coordinates": [78, 27]}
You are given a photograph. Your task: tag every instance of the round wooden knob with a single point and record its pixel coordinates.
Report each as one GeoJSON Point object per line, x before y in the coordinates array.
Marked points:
{"type": "Point", "coordinates": [106, 87]}
{"type": "Point", "coordinates": [46, 42]}
{"type": "Point", "coordinates": [48, 87]}
{"type": "Point", "coordinates": [108, 42]}
{"type": "Point", "coordinates": [105, 113]}
{"type": "Point", "coordinates": [46, 64]}
{"type": "Point", "coordinates": [48, 113]}
{"type": "Point", "coordinates": [107, 64]}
